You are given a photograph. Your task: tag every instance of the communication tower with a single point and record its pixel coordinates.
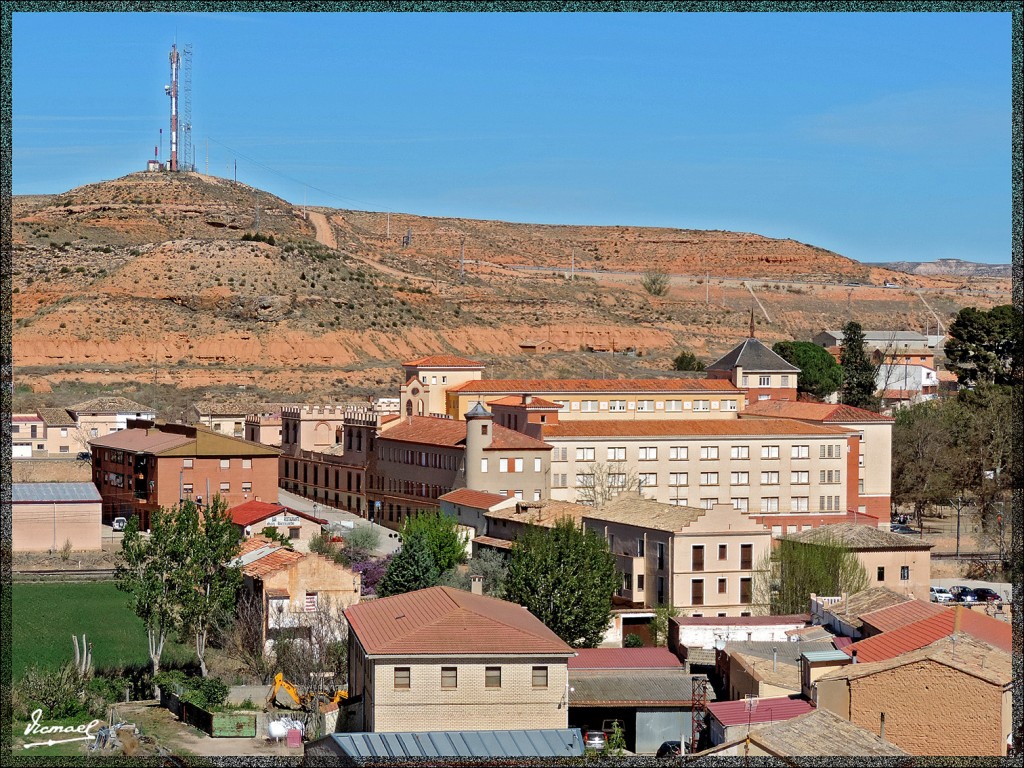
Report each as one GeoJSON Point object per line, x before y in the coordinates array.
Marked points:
{"type": "Point", "coordinates": [172, 91]}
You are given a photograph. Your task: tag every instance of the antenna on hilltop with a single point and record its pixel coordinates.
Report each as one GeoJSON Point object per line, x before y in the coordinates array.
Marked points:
{"type": "Point", "coordinates": [172, 91]}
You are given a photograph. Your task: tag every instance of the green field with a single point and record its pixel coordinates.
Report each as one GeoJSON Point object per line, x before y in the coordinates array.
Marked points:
{"type": "Point", "coordinates": [44, 616]}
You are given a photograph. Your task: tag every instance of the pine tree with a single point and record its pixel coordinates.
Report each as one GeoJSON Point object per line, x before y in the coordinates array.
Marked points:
{"type": "Point", "coordinates": [411, 568]}
{"type": "Point", "coordinates": [859, 373]}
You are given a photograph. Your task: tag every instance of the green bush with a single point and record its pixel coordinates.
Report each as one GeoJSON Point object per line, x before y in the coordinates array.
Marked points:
{"type": "Point", "coordinates": [633, 641]}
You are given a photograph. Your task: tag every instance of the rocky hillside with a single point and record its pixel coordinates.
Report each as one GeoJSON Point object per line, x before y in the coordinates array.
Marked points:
{"type": "Point", "coordinates": [157, 278]}
{"type": "Point", "coordinates": [956, 267]}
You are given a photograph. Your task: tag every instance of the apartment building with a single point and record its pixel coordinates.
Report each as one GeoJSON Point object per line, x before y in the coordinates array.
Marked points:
{"type": "Point", "coordinates": [876, 339]}
{"type": "Point", "coordinates": [427, 379]}
{"type": "Point", "coordinates": [150, 465]}
{"type": "Point", "coordinates": [756, 369]}
{"type": "Point", "coordinates": [756, 465]}
{"type": "Point", "coordinates": [65, 432]}
{"type": "Point", "coordinates": [702, 561]}
{"type": "Point", "coordinates": [874, 452]}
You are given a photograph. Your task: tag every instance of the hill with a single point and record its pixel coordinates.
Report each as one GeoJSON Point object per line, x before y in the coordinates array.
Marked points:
{"type": "Point", "coordinates": [957, 267]}
{"type": "Point", "coordinates": [154, 280]}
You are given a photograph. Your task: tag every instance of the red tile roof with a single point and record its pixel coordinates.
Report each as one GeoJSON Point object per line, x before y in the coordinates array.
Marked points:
{"type": "Point", "coordinates": [137, 440]}
{"type": "Point", "coordinates": [688, 428]}
{"type": "Point", "coordinates": [474, 499]}
{"type": "Point", "coordinates": [824, 412]}
{"type": "Point", "coordinates": [275, 560]}
{"type": "Point", "coordinates": [442, 361]}
{"type": "Point", "coordinates": [253, 511]}
{"type": "Point", "coordinates": [555, 386]}
{"type": "Point", "coordinates": [538, 403]}
{"type": "Point", "coordinates": [768, 710]}
{"type": "Point", "coordinates": [910, 637]}
{"type": "Point", "coordinates": [447, 621]}
{"type": "Point", "coordinates": [624, 658]}
{"type": "Point", "coordinates": [895, 616]}
{"type": "Point", "coordinates": [430, 430]}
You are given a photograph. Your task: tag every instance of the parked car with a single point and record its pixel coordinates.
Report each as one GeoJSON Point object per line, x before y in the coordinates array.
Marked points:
{"type": "Point", "coordinates": [670, 749]}
{"type": "Point", "coordinates": [941, 595]}
{"type": "Point", "coordinates": [595, 740]}
{"type": "Point", "coordinates": [900, 528]}
{"type": "Point", "coordinates": [986, 595]}
{"type": "Point", "coordinates": [963, 594]}
{"type": "Point", "coordinates": [120, 523]}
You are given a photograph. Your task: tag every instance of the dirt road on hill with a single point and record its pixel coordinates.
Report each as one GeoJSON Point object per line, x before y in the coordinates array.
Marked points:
{"type": "Point", "coordinates": [324, 231]}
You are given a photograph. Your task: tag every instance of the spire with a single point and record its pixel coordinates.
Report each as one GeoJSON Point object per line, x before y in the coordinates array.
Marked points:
{"type": "Point", "coordinates": [751, 322]}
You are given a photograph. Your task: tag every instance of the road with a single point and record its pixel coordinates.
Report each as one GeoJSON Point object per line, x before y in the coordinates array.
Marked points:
{"type": "Point", "coordinates": [389, 540]}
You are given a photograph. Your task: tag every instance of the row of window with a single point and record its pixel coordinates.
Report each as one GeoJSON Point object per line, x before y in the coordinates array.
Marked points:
{"type": "Point", "coordinates": [682, 479]}
{"type": "Point", "coordinates": [765, 381]}
{"type": "Point", "coordinates": [707, 452]}
{"type": "Point", "coordinates": [746, 590]}
{"type": "Point", "coordinates": [447, 461]}
{"type": "Point", "coordinates": [510, 465]}
{"type": "Point", "coordinates": [450, 677]}
{"type": "Point", "coordinates": [291, 470]}
{"type": "Point", "coordinates": [224, 463]}
{"type": "Point", "coordinates": [646, 406]}
{"type": "Point", "coordinates": [187, 489]}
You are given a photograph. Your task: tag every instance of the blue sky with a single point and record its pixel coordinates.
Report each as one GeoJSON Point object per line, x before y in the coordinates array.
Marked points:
{"type": "Point", "coordinates": [879, 136]}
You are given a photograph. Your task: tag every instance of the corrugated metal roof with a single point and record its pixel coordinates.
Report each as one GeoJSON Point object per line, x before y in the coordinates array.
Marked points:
{"type": "Point", "coordinates": [553, 742]}
{"type": "Point", "coordinates": [53, 492]}
{"type": "Point", "coordinates": [630, 688]}
{"type": "Point", "coordinates": [833, 655]}
{"type": "Point", "coordinates": [775, 709]}
{"type": "Point", "coordinates": [624, 658]}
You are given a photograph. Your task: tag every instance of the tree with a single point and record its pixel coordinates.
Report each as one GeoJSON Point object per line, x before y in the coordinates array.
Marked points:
{"type": "Point", "coordinates": [206, 580]}
{"type": "Point", "coordinates": [687, 361]}
{"type": "Point", "coordinates": [242, 639]}
{"type": "Point", "coordinates": [490, 564]}
{"type": "Point", "coordinates": [786, 576]}
{"type": "Point", "coordinates": [447, 546]}
{"type": "Point", "coordinates": [566, 578]}
{"type": "Point", "coordinates": [413, 567]}
{"type": "Point", "coordinates": [858, 387]}
{"type": "Point", "coordinates": [603, 482]}
{"type": "Point", "coordinates": [146, 571]}
{"type": "Point", "coordinates": [820, 374]}
{"type": "Point", "coordinates": [660, 623]}
{"type": "Point", "coordinates": [985, 347]}
{"type": "Point", "coordinates": [655, 282]}
{"type": "Point", "coordinates": [922, 457]}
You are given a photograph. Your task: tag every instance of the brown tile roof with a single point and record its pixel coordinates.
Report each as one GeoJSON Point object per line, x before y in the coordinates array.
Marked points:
{"type": "Point", "coordinates": [538, 403]}
{"type": "Point", "coordinates": [857, 537]}
{"type": "Point", "coordinates": [277, 557]}
{"type": "Point", "coordinates": [645, 513]}
{"type": "Point", "coordinates": [544, 513]}
{"type": "Point", "coordinates": [211, 443]}
{"type": "Point", "coordinates": [827, 413]}
{"type": "Point", "coordinates": [866, 601]}
{"type": "Point", "coordinates": [624, 658]}
{"type": "Point", "coordinates": [926, 631]}
{"type": "Point", "coordinates": [111, 405]}
{"type": "Point", "coordinates": [445, 621]}
{"type": "Point", "coordinates": [442, 361]}
{"type": "Point", "coordinates": [886, 619]}
{"type": "Point", "coordinates": [431, 430]}
{"type": "Point", "coordinates": [474, 499]}
{"type": "Point", "coordinates": [688, 428]}
{"type": "Point", "coordinates": [623, 386]}
{"type": "Point", "coordinates": [56, 417]}
{"type": "Point", "coordinates": [141, 440]}
{"type": "Point", "coordinates": [821, 732]}
{"type": "Point", "coordinates": [493, 541]}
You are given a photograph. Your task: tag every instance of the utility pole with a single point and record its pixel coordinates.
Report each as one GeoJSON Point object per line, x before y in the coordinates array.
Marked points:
{"type": "Point", "coordinates": [462, 261]}
{"type": "Point", "coordinates": [388, 235]}
{"type": "Point", "coordinates": [236, 171]}
{"type": "Point", "coordinates": [207, 156]}
{"type": "Point", "coordinates": [572, 265]}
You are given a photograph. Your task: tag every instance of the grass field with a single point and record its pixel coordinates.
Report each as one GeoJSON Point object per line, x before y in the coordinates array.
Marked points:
{"type": "Point", "coordinates": [44, 616]}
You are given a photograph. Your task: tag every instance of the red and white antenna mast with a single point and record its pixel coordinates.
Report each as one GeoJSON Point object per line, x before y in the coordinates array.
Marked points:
{"type": "Point", "coordinates": [172, 91]}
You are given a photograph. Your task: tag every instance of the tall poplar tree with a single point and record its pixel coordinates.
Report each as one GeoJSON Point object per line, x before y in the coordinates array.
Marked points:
{"type": "Point", "coordinates": [859, 373]}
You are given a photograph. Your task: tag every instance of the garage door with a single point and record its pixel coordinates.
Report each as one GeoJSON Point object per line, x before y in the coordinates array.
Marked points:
{"type": "Point", "coordinates": [21, 451]}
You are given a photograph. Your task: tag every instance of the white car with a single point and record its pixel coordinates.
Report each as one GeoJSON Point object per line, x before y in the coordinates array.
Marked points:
{"type": "Point", "coordinates": [941, 595]}
{"type": "Point", "coordinates": [120, 523]}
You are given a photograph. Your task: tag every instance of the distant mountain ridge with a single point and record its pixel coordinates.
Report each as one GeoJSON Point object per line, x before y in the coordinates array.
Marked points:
{"type": "Point", "coordinates": [957, 267]}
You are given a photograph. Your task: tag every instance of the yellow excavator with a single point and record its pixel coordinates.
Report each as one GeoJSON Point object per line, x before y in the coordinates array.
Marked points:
{"type": "Point", "coordinates": [308, 701]}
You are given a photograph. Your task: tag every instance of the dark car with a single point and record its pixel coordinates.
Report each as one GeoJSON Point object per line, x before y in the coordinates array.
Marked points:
{"type": "Point", "coordinates": [670, 749]}
{"type": "Point", "coordinates": [963, 594]}
{"type": "Point", "coordinates": [986, 595]}
{"type": "Point", "coordinates": [84, 456]}
{"type": "Point", "coordinates": [900, 528]}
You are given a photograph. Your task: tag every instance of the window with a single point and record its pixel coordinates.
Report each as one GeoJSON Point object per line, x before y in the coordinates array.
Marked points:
{"type": "Point", "coordinates": [723, 551]}
{"type": "Point", "coordinates": [310, 604]}
{"type": "Point", "coordinates": [746, 591]}
{"type": "Point", "coordinates": [584, 480]}
{"type": "Point", "coordinates": [770, 504]}
{"type": "Point", "coordinates": [617, 405]}
{"type": "Point", "coordinates": [616, 454]}
{"type": "Point", "coordinates": [627, 582]}
{"type": "Point", "coordinates": [800, 451]}
{"type": "Point", "coordinates": [800, 503]}
{"type": "Point", "coordinates": [702, 405]}
{"type": "Point", "coordinates": [709, 452]}
{"type": "Point", "coordinates": [503, 465]}
{"type": "Point", "coordinates": [645, 405]}
{"type": "Point", "coordinates": [536, 494]}
{"type": "Point", "coordinates": [697, 592]}
{"type": "Point", "coordinates": [540, 677]}
{"type": "Point", "coordinates": [402, 675]}
{"type": "Point", "coordinates": [225, 463]}
{"type": "Point", "coordinates": [648, 453]}
{"type": "Point", "coordinates": [673, 405]}
{"type": "Point", "coordinates": [709, 478]}
{"type": "Point", "coordinates": [764, 381]}
{"type": "Point", "coordinates": [800, 478]}
{"type": "Point", "coordinates": [741, 504]}
{"type": "Point", "coordinates": [744, 381]}
{"type": "Point", "coordinates": [616, 479]}
{"type": "Point", "coordinates": [746, 556]}
{"type": "Point", "coordinates": [64, 449]}
{"type": "Point", "coordinates": [739, 478]}
{"type": "Point", "coordinates": [648, 479]}
{"type": "Point", "coordinates": [740, 452]}
{"type": "Point", "coordinates": [697, 558]}
{"type": "Point", "coordinates": [559, 480]}
{"type": "Point", "coordinates": [769, 451]}
{"type": "Point", "coordinates": [492, 677]}
{"type": "Point", "coordinates": [584, 454]}
{"type": "Point", "coordinates": [225, 487]}
{"type": "Point", "coordinates": [661, 556]}
{"type": "Point", "coordinates": [881, 573]}
{"type": "Point", "coordinates": [94, 432]}
{"type": "Point", "coordinates": [708, 503]}
{"type": "Point", "coordinates": [246, 487]}
{"type": "Point", "coordinates": [518, 494]}
{"type": "Point", "coordinates": [728, 405]}
{"type": "Point", "coordinates": [639, 582]}
{"type": "Point", "coordinates": [785, 380]}
{"type": "Point", "coordinates": [449, 677]}
{"type": "Point", "coordinates": [678, 453]}
{"type": "Point", "coordinates": [723, 586]}
{"type": "Point", "coordinates": [560, 454]}
{"type": "Point", "coordinates": [186, 463]}
{"type": "Point", "coordinates": [186, 489]}
{"type": "Point", "coordinates": [563, 405]}
{"type": "Point", "coordinates": [483, 465]}
{"type": "Point", "coordinates": [518, 465]}
{"type": "Point", "coordinates": [904, 573]}
{"type": "Point", "coordinates": [536, 465]}
{"type": "Point", "coordinates": [676, 479]}
{"type": "Point", "coordinates": [246, 463]}
{"type": "Point", "coordinates": [769, 478]}
{"type": "Point", "coordinates": [640, 547]}
{"type": "Point", "coordinates": [588, 406]}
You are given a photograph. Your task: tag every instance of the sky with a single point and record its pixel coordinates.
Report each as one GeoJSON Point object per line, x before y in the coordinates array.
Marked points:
{"type": "Point", "coordinates": [881, 137]}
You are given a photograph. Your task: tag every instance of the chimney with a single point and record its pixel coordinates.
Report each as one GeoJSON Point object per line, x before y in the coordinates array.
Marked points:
{"type": "Point", "coordinates": [476, 584]}
{"type": "Point", "coordinates": [527, 399]}
{"type": "Point", "coordinates": [846, 601]}
{"type": "Point", "coordinates": [854, 655]}
{"type": "Point", "coordinates": [775, 660]}
{"type": "Point", "coordinates": [881, 725]}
